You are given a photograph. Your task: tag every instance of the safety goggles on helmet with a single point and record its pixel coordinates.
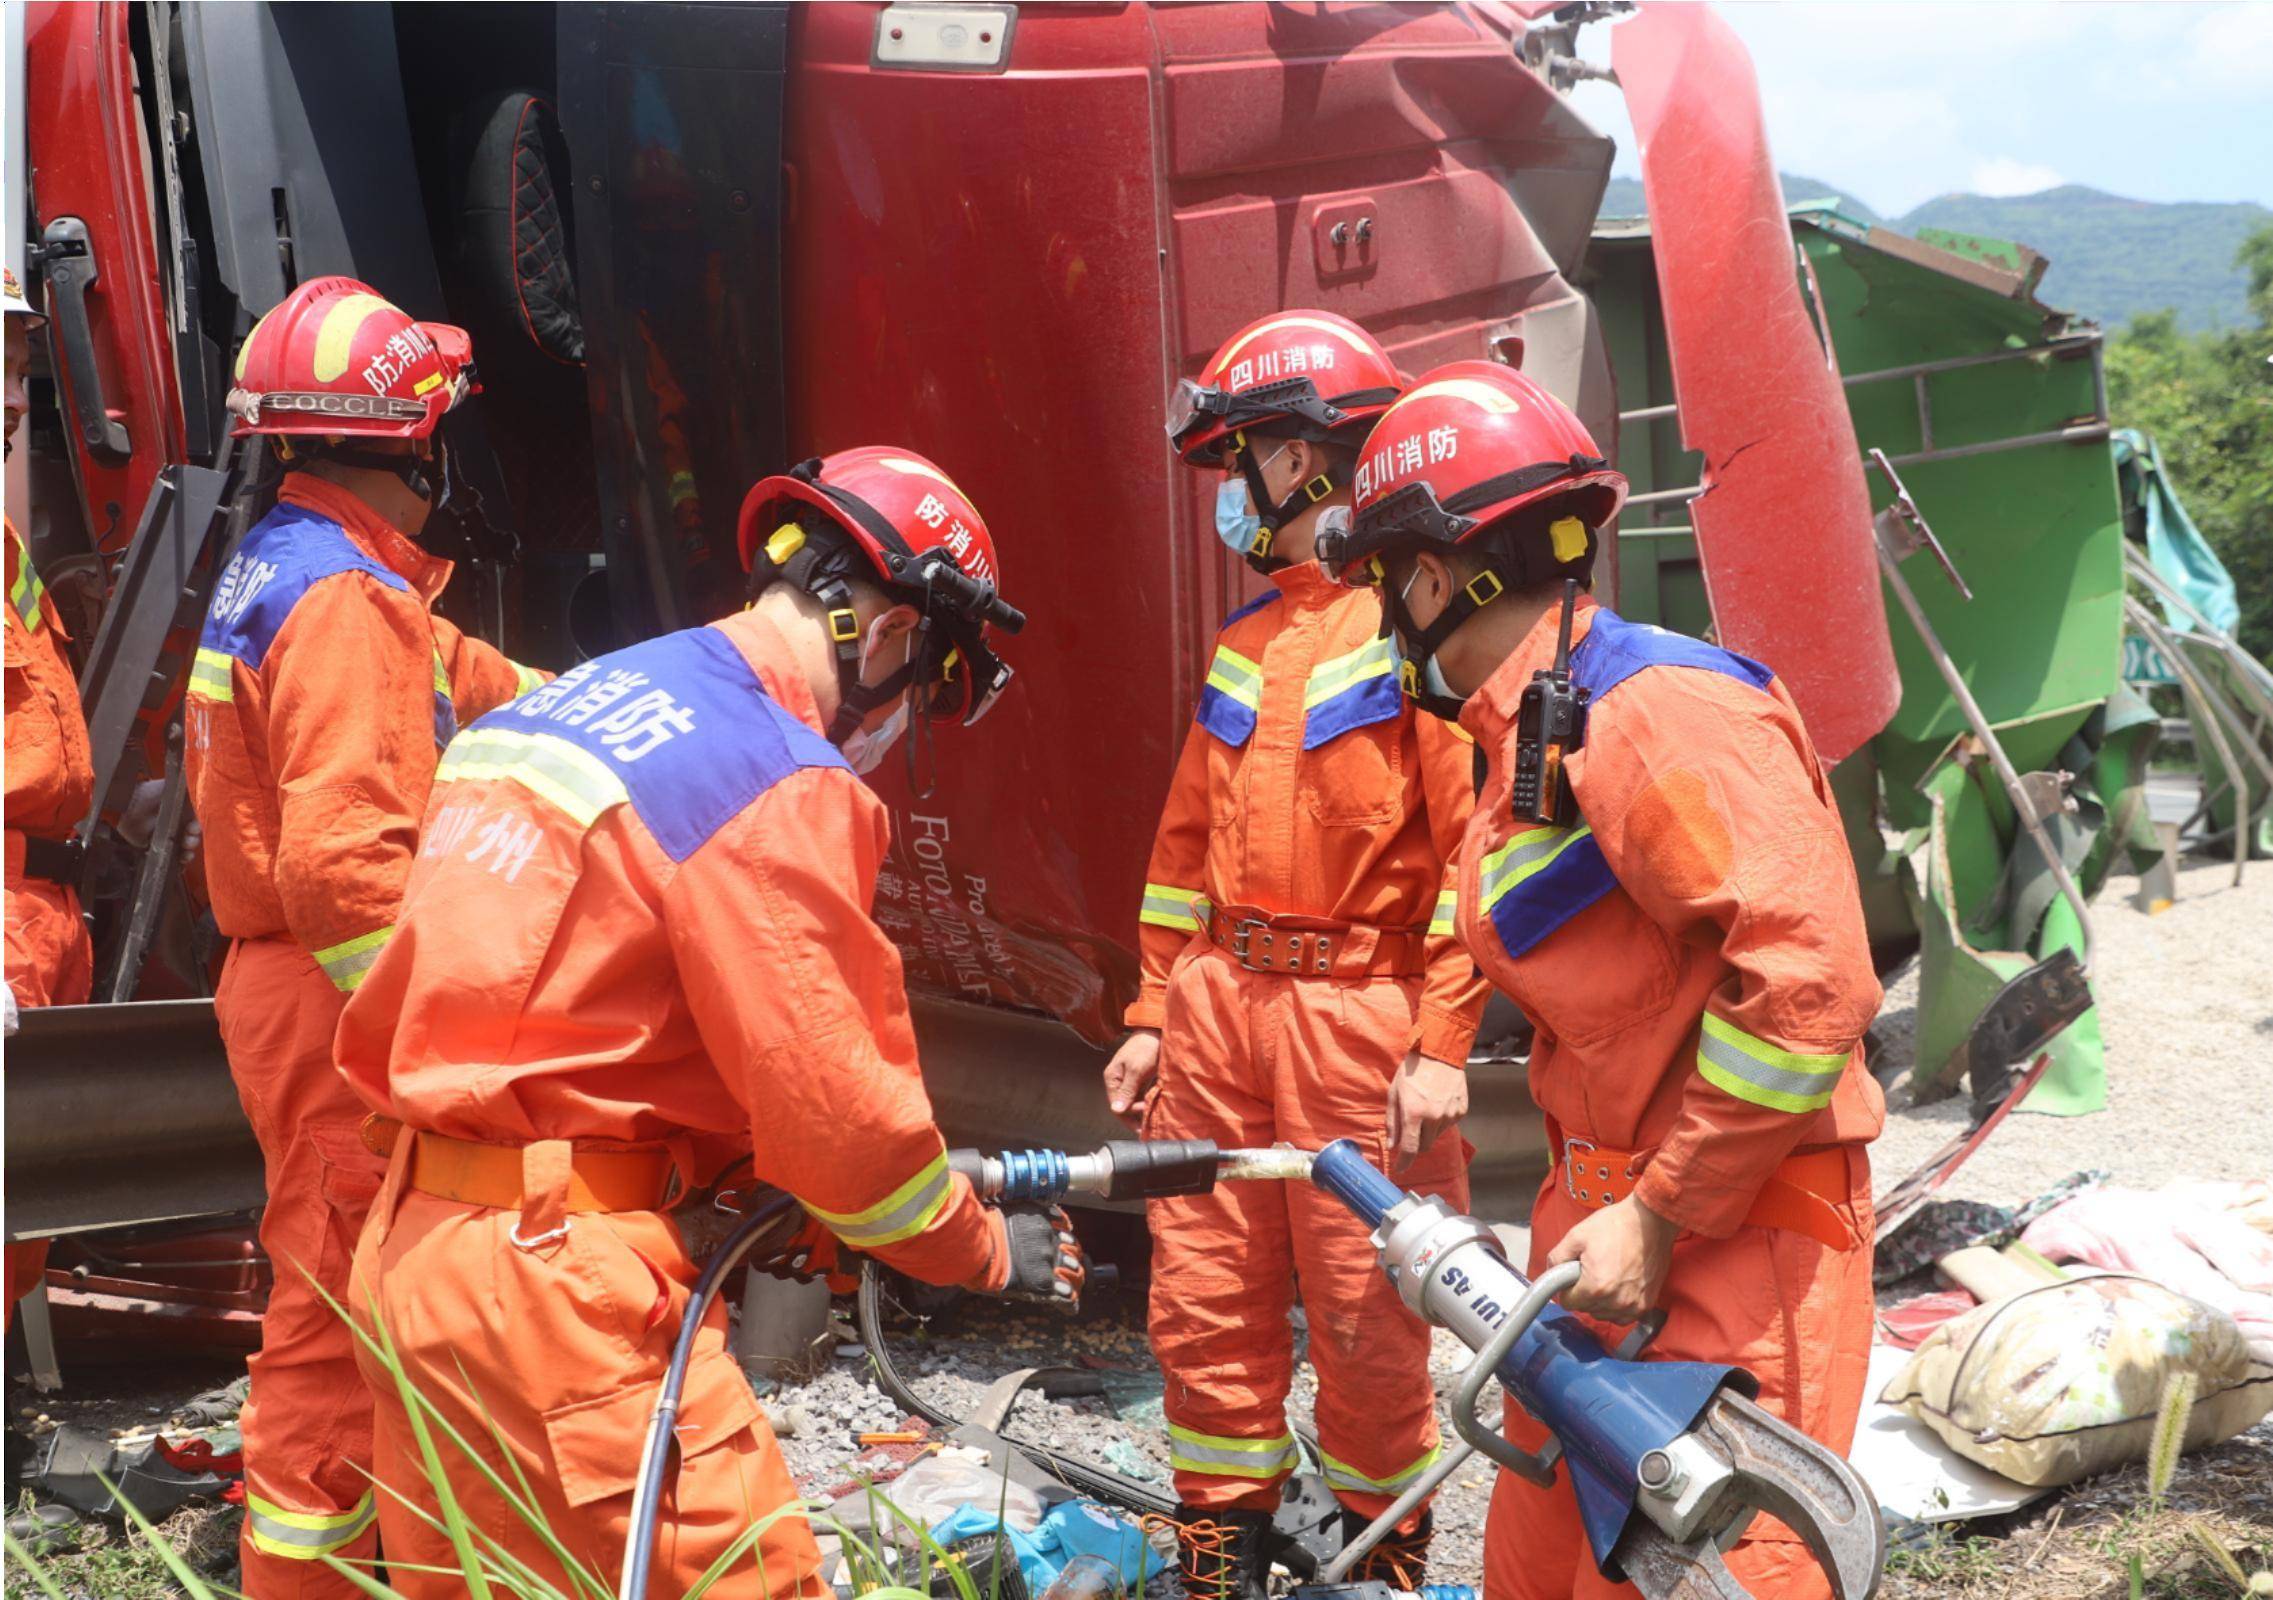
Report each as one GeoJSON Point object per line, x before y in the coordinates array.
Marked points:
{"type": "Point", "coordinates": [1298, 398]}
{"type": "Point", "coordinates": [954, 676]}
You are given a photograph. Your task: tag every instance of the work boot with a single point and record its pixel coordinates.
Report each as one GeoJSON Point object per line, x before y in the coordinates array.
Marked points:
{"type": "Point", "coordinates": [1400, 1560]}
{"type": "Point", "coordinates": [1222, 1553]}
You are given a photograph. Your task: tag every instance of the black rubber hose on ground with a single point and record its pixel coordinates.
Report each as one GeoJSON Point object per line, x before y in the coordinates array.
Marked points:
{"type": "Point", "coordinates": [1087, 1476]}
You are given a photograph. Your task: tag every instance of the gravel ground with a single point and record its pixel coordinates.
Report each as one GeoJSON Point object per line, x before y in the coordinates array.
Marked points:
{"type": "Point", "coordinates": [952, 1364]}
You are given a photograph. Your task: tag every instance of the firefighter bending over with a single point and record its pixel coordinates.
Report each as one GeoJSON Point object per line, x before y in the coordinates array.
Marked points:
{"type": "Point", "coordinates": [636, 948]}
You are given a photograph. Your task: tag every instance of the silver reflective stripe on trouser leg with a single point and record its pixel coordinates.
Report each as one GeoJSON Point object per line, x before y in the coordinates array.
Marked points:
{"type": "Point", "coordinates": [302, 1536]}
{"type": "Point", "coordinates": [1218, 1455]}
{"type": "Point", "coordinates": [1342, 1476]}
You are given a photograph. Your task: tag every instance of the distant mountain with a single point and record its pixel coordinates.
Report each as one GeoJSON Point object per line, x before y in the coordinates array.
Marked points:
{"type": "Point", "coordinates": [2113, 258]}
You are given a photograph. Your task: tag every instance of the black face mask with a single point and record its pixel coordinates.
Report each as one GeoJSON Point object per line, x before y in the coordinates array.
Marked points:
{"type": "Point", "coordinates": [1417, 674]}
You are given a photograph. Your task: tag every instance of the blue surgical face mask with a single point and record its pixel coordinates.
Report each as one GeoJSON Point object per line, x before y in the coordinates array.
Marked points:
{"type": "Point", "coordinates": [1237, 523]}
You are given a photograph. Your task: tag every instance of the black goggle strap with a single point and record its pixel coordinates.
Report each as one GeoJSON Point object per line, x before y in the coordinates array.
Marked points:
{"type": "Point", "coordinates": [1522, 480]}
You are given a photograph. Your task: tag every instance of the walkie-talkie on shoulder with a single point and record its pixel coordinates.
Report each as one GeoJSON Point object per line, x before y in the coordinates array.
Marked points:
{"type": "Point", "coordinates": [1549, 724]}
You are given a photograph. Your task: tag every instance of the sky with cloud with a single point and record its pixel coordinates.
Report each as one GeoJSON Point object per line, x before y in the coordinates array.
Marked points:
{"type": "Point", "coordinates": [1898, 102]}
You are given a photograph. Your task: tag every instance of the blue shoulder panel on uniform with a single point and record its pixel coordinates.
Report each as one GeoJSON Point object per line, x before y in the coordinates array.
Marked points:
{"type": "Point", "coordinates": [1532, 907]}
{"type": "Point", "coordinates": [1252, 606]}
{"type": "Point", "coordinates": [287, 553]}
{"type": "Point", "coordinates": [1615, 649]}
{"type": "Point", "coordinates": [683, 722]}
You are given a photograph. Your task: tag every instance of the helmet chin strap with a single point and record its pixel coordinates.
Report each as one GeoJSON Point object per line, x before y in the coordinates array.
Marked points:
{"type": "Point", "coordinates": [1306, 494]}
{"type": "Point", "coordinates": [1418, 646]}
{"type": "Point", "coordinates": [409, 469]}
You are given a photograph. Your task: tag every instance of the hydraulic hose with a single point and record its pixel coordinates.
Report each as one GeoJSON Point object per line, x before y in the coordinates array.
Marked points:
{"type": "Point", "coordinates": [655, 1454]}
{"type": "Point", "coordinates": [1086, 1476]}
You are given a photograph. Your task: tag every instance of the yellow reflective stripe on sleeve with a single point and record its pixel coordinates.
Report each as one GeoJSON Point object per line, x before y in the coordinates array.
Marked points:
{"type": "Point", "coordinates": [1341, 1475]}
{"type": "Point", "coordinates": [1753, 1069]}
{"type": "Point", "coordinates": [346, 963]}
{"type": "Point", "coordinates": [1166, 906]}
{"type": "Point", "coordinates": [561, 774]}
{"type": "Point", "coordinates": [1444, 923]}
{"type": "Point", "coordinates": [902, 1214]}
{"type": "Point", "coordinates": [525, 679]}
{"type": "Point", "coordinates": [299, 1536]}
{"type": "Point", "coordinates": [1233, 674]}
{"type": "Point", "coordinates": [212, 675]}
{"type": "Point", "coordinates": [1527, 854]}
{"type": "Point", "coordinates": [1371, 660]}
{"type": "Point", "coordinates": [1222, 1457]}
{"type": "Point", "coordinates": [441, 674]}
{"type": "Point", "coordinates": [25, 593]}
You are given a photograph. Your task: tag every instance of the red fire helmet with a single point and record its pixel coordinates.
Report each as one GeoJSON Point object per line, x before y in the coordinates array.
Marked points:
{"type": "Point", "coordinates": [1308, 373]}
{"type": "Point", "coordinates": [921, 541]}
{"type": "Point", "coordinates": [336, 357]}
{"type": "Point", "coordinates": [1470, 444]}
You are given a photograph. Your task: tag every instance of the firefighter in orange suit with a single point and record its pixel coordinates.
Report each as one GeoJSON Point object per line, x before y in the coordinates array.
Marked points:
{"type": "Point", "coordinates": [323, 690]}
{"type": "Point", "coordinates": [1300, 981]}
{"type": "Point", "coordinates": [637, 947]}
{"type": "Point", "coordinates": [50, 783]}
{"type": "Point", "coordinates": [1661, 882]}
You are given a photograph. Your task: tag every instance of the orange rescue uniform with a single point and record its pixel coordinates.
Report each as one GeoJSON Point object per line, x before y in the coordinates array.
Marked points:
{"type": "Point", "coordinates": [51, 783]}
{"type": "Point", "coordinates": [637, 939]}
{"type": "Point", "coordinates": [1307, 790]}
{"type": "Point", "coordinates": [321, 694]}
{"type": "Point", "coordinates": [1692, 954]}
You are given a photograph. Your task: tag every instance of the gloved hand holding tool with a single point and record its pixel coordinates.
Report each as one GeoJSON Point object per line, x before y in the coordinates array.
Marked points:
{"type": "Point", "coordinates": [1046, 1260]}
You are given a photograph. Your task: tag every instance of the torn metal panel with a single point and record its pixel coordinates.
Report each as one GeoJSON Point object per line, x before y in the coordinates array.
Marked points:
{"type": "Point", "coordinates": [1782, 519]}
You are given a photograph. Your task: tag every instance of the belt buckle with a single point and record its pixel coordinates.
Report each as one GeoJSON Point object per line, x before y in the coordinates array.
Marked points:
{"type": "Point", "coordinates": [1242, 942]}
{"type": "Point", "coordinates": [1572, 1147]}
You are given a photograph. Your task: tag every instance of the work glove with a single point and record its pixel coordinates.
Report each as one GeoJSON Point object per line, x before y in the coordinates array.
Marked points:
{"type": "Point", "coordinates": [1045, 1259]}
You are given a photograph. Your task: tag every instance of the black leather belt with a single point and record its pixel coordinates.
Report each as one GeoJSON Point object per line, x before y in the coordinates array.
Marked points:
{"type": "Point", "coordinates": [56, 860]}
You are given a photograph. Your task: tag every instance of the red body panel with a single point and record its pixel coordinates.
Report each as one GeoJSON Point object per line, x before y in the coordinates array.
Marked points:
{"type": "Point", "coordinates": [88, 162]}
{"type": "Point", "coordinates": [1009, 272]}
{"type": "Point", "coordinates": [1784, 527]}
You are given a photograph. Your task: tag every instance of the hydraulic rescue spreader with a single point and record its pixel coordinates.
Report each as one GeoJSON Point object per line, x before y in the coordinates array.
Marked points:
{"type": "Point", "coordinates": [1670, 1460]}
